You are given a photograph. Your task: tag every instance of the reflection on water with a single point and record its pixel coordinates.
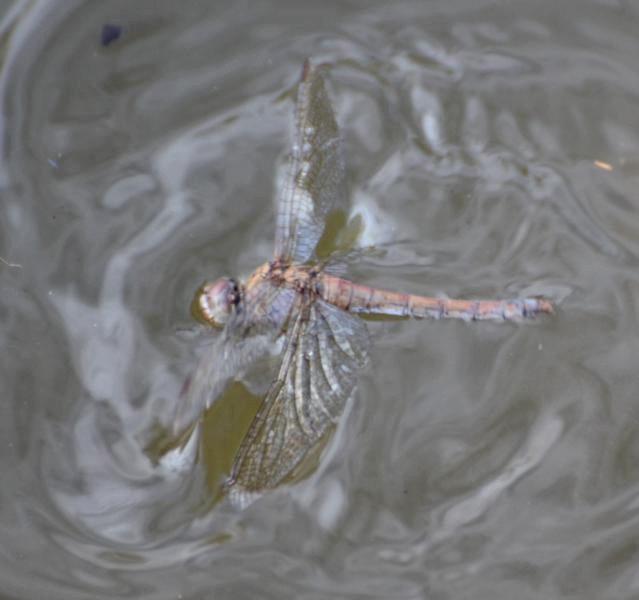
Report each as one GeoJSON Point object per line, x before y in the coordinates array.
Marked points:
{"type": "Point", "coordinates": [479, 461]}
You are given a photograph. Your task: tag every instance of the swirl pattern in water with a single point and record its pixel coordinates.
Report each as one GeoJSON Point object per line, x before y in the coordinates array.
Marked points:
{"type": "Point", "coordinates": [490, 150]}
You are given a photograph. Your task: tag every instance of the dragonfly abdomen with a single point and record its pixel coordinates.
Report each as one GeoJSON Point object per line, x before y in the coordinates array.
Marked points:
{"type": "Point", "coordinates": [363, 299]}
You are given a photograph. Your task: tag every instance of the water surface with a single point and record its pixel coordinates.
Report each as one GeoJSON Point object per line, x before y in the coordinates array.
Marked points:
{"type": "Point", "coordinates": [492, 151]}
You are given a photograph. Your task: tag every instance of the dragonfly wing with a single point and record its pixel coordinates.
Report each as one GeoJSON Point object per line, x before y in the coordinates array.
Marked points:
{"type": "Point", "coordinates": [314, 173]}
{"type": "Point", "coordinates": [222, 361]}
{"type": "Point", "coordinates": [325, 349]}
{"type": "Point", "coordinates": [249, 336]}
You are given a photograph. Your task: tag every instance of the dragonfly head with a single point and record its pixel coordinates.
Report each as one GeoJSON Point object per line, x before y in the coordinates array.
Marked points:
{"type": "Point", "coordinates": [214, 301]}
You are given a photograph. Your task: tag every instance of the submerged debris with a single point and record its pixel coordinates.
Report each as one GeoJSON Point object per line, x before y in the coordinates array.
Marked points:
{"type": "Point", "coordinates": [110, 33]}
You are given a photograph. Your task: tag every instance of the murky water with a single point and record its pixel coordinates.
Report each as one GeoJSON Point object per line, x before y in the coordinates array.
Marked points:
{"type": "Point", "coordinates": [492, 149]}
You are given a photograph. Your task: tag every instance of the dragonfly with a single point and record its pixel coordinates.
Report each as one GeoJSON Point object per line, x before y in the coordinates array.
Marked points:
{"type": "Point", "coordinates": [312, 316]}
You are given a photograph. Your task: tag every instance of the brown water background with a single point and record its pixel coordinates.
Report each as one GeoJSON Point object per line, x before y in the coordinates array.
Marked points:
{"type": "Point", "coordinates": [476, 460]}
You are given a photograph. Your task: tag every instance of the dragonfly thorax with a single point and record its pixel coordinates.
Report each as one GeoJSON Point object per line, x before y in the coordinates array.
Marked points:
{"type": "Point", "coordinates": [214, 301]}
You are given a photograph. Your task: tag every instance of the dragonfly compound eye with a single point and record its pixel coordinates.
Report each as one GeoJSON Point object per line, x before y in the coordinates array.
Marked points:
{"type": "Point", "coordinates": [214, 301]}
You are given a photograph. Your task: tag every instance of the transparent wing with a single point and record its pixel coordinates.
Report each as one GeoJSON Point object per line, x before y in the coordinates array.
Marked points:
{"type": "Point", "coordinates": [325, 349]}
{"type": "Point", "coordinates": [222, 362]}
{"type": "Point", "coordinates": [249, 336]}
{"type": "Point", "coordinates": [315, 171]}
